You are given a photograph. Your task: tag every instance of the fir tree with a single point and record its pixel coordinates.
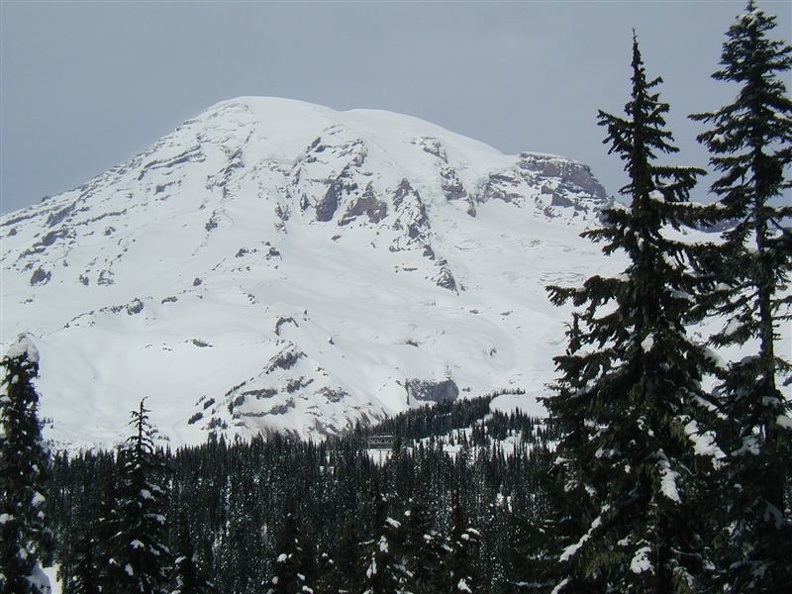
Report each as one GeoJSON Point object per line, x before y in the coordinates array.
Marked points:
{"type": "Point", "coordinates": [422, 548]}
{"type": "Point", "coordinates": [189, 579]}
{"type": "Point", "coordinates": [294, 570]}
{"type": "Point", "coordinates": [133, 529]}
{"type": "Point", "coordinates": [343, 573]}
{"type": "Point", "coordinates": [26, 541]}
{"type": "Point", "coordinates": [461, 563]}
{"type": "Point", "coordinates": [628, 399]}
{"type": "Point", "coordinates": [385, 572]}
{"type": "Point", "coordinates": [750, 141]}
{"type": "Point", "coordinates": [84, 578]}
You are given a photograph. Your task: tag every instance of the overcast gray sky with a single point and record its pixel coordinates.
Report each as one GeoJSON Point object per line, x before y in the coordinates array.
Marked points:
{"type": "Point", "coordinates": [87, 85]}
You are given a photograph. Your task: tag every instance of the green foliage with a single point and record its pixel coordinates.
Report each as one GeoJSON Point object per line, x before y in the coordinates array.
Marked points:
{"type": "Point", "coordinates": [294, 567]}
{"type": "Point", "coordinates": [344, 571]}
{"type": "Point", "coordinates": [132, 532]}
{"type": "Point", "coordinates": [750, 142]}
{"type": "Point", "coordinates": [242, 493]}
{"type": "Point", "coordinates": [83, 577]}
{"type": "Point", "coordinates": [24, 466]}
{"type": "Point", "coordinates": [629, 395]}
{"type": "Point", "coordinates": [460, 570]}
{"type": "Point", "coordinates": [188, 578]}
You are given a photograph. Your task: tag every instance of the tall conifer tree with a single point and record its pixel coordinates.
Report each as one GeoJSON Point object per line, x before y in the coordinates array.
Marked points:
{"type": "Point", "coordinates": [461, 563]}
{"type": "Point", "coordinates": [423, 547]}
{"type": "Point", "coordinates": [134, 556]}
{"type": "Point", "coordinates": [342, 572]}
{"type": "Point", "coordinates": [750, 141]}
{"type": "Point", "coordinates": [24, 461]}
{"type": "Point", "coordinates": [385, 572]}
{"type": "Point", "coordinates": [83, 578]}
{"type": "Point", "coordinates": [628, 399]}
{"type": "Point", "coordinates": [294, 569]}
{"type": "Point", "coordinates": [188, 576]}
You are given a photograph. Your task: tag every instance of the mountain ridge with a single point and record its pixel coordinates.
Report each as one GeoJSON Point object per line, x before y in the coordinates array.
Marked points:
{"type": "Point", "coordinates": [273, 265]}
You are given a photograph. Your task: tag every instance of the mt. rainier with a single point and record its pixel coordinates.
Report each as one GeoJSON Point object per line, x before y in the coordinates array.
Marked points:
{"type": "Point", "coordinates": [277, 265]}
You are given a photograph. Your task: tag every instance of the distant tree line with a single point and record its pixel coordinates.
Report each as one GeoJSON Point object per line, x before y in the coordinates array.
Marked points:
{"type": "Point", "coordinates": [421, 520]}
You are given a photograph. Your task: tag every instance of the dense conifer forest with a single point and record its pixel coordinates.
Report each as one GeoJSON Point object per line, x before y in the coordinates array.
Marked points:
{"type": "Point", "coordinates": [337, 499]}
{"type": "Point", "coordinates": [664, 465]}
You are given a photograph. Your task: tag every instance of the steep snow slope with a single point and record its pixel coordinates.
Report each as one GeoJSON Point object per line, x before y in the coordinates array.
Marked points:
{"type": "Point", "coordinates": [277, 265]}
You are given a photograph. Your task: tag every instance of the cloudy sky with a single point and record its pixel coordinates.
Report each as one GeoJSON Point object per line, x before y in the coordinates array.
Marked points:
{"type": "Point", "coordinates": [87, 85]}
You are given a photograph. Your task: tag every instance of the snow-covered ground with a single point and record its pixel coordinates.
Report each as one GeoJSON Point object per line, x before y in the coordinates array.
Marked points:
{"type": "Point", "coordinates": [52, 573]}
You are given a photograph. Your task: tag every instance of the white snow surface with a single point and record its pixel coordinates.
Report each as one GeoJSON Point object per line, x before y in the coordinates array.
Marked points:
{"type": "Point", "coordinates": [40, 580]}
{"type": "Point", "coordinates": [668, 477]}
{"type": "Point", "coordinates": [23, 345]}
{"type": "Point", "coordinates": [52, 575]}
{"type": "Point", "coordinates": [640, 562]}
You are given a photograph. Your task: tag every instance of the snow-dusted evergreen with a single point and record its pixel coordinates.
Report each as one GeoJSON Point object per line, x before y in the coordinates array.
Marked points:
{"type": "Point", "coordinates": [460, 570]}
{"type": "Point", "coordinates": [294, 569]}
{"type": "Point", "coordinates": [750, 140]}
{"type": "Point", "coordinates": [82, 576]}
{"type": "Point", "coordinates": [629, 399]}
{"type": "Point", "coordinates": [342, 570]}
{"type": "Point", "coordinates": [26, 543]}
{"type": "Point", "coordinates": [132, 534]}
{"type": "Point", "coordinates": [383, 553]}
{"type": "Point", "coordinates": [189, 577]}
{"type": "Point", "coordinates": [423, 547]}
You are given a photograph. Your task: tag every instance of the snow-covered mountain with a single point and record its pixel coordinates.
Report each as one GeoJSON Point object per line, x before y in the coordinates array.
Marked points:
{"type": "Point", "coordinates": [277, 265]}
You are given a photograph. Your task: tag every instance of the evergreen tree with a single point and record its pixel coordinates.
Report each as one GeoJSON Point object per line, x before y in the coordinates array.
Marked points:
{"type": "Point", "coordinates": [750, 141]}
{"type": "Point", "coordinates": [422, 550]}
{"type": "Point", "coordinates": [105, 528]}
{"type": "Point", "coordinates": [461, 566]}
{"type": "Point", "coordinates": [133, 529]}
{"type": "Point", "coordinates": [189, 579]}
{"type": "Point", "coordinates": [24, 461]}
{"type": "Point", "coordinates": [385, 572]}
{"type": "Point", "coordinates": [343, 573]}
{"type": "Point", "coordinates": [628, 399]}
{"type": "Point", "coordinates": [294, 570]}
{"type": "Point", "coordinates": [84, 578]}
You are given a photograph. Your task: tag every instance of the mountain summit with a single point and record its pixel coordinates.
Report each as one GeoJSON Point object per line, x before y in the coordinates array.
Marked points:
{"type": "Point", "coordinates": [274, 265]}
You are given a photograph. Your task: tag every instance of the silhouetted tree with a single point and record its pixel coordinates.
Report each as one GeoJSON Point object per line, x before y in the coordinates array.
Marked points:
{"type": "Point", "coordinates": [628, 399]}
{"type": "Point", "coordinates": [135, 558]}
{"type": "Point", "coordinates": [26, 542]}
{"type": "Point", "coordinates": [750, 141]}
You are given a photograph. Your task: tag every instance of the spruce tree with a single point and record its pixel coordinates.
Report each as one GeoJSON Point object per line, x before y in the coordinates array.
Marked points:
{"type": "Point", "coordinates": [750, 142]}
{"type": "Point", "coordinates": [460, 573]}
{"type": "Point", "coordinates": [342, 573]}
{"type": "Point", "coordinates": [294, 569]}
{"type": "Point", "coordinates": [84, 578]}
{"type": "Point", "coordinates": [385, 572]}
{"type": "Point", "coordinates": [628, 401]}
{"type": "Point", "coordinates": [423, 547]}
{"type": "Point", "coordinates": [188, 578]}
{"type": "Point", "coordinates": [134, 556]}
{"type": "Point", "coordinates": [26, 542]}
